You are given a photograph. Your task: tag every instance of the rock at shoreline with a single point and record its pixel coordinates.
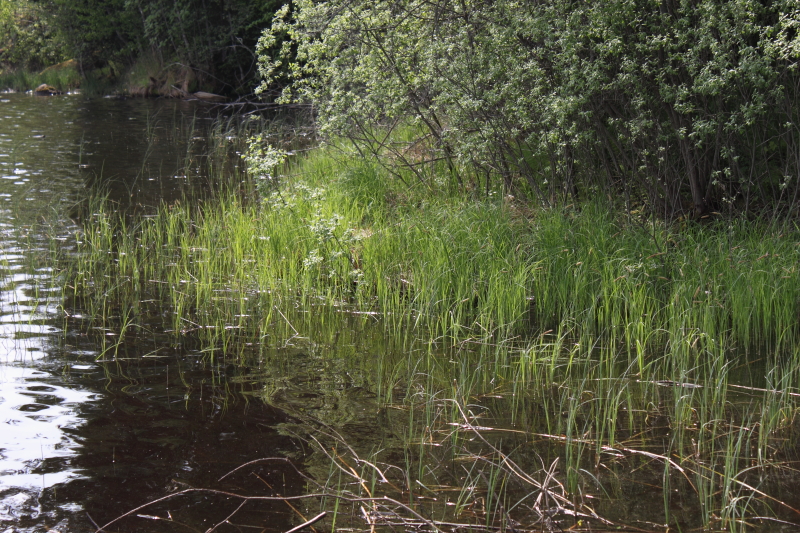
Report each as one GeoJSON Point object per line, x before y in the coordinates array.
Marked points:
{"type": "Point", "coordinates": [46, 90]}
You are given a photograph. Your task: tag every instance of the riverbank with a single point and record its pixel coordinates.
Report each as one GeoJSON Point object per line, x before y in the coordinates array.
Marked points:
{"type": "Point", "coordinates": [63, 77]}
{"type": "Point", "coordinates": [549, 351]}
{"type": "Point", "coordinates": [339, 231]}
{"type": "Point", "coordinates": [145, 78]}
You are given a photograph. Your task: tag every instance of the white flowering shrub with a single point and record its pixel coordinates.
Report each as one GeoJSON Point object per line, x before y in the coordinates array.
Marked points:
{"type": "Point", "coordinates": [263, 162]}
{"type": "Point", "coordinates": [686, 106]}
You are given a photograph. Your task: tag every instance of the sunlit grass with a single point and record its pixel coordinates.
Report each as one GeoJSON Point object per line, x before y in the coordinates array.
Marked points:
{"type": "Point", "coordinates": [611, 343]}
{"type": "Point", "coordinates": [456, 269]}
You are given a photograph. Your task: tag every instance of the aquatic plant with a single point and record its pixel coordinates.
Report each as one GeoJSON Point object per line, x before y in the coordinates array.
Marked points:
{"type": "Point", "coordinates": [603, 344]}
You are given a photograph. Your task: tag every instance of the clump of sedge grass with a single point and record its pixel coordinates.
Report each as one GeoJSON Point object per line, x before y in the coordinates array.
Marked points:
{"type": "Point", "coordinates": [22, 80]}
{"type": "Point", "coordinates": [611, 341]}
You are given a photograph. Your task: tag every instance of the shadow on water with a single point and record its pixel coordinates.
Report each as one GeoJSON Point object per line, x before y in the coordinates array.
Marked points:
{"type": "Point", "coordinates": [141, 430]}
{"type": "Point", "coordinates": [143, 152]}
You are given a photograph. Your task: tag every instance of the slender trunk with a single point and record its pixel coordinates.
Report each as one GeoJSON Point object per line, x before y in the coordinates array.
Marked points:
{"type": "Point", "coordinates": [695, 181]}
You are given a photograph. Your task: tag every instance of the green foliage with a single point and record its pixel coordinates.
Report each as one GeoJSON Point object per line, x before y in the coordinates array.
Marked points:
{"type": "Point", "coordinates": [262, 161]}
{"type": "Point", "coordinates": [335, 233]}
{"type": "Point", "coordinates": [23, 80]}
{"type": "Point", "coordinates": [209, 43]}
{"type": "Point", "coordinates": [29, 39]}
{"type": "Point", "coordinates": [97, 31]}
{"type": "Point", "coordinates": [215, 37]}
{"type": "Point", "coordinates": [687, 106]}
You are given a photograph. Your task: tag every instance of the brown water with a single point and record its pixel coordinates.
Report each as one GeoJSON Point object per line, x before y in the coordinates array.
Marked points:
{"type": "Point", "coordinates": [82, 441]}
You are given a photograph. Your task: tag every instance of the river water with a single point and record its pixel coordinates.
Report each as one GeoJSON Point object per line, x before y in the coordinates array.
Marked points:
{"type": "Point", "coordinates": [86, 438]}
{"type": "Point", "coordinates": [81, 441]}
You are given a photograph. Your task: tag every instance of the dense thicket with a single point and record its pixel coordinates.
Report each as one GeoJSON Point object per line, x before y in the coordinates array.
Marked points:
{"type": "Point", "coordinates": [28, 36]}
{"type": "Point", "coordinates": [687, 106]}
{"type": "Point", "coordinates": [214, 40]}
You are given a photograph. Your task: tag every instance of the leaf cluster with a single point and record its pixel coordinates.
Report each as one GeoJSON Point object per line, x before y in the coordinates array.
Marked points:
{"type": "Point", "coordinates": [214, 39]}
{"type": "Point", "coordinates": [685, 106]}
{"type": "Point", "coordinates": [28, 36]}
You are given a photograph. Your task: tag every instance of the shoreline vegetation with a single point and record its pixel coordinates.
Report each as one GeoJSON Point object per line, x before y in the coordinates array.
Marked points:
{"type": "Point", "coordinates": [136, 48]}
{"type": "Point", "coordinates": [573, 228]}
{"type": "Point", "coordinates": [543, 353]}
{"type": "Point", "coordinates": [63, 76]}
{"type": "Point", "coordinates": [136, 81]}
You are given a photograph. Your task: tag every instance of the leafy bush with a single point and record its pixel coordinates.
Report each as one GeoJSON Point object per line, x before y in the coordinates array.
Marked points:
{"type": "Point", "coordinates": [213, 39]}
{"type": "Point", "coordinates": [688, 106]}
{"type": "Point", "coordinates": [28, 39]}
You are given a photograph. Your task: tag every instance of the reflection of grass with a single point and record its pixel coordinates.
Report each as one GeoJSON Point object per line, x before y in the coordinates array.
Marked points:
{"type": "Point", "coordinates": [568, 335]}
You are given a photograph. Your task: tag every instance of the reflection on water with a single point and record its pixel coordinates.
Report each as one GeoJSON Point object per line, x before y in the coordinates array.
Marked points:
{"type": "Point", "coordinates": [37, 411]}
{"type": "Point", "coordinates": [80, 442]}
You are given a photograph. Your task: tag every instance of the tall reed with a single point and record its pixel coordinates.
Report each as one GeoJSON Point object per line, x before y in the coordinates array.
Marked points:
{"type": "Point", "coordinates": [21, 80]}
{"type": "Point", "coordinates": [614, 344]}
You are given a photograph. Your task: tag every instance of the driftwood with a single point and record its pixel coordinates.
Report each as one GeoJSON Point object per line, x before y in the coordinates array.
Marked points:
{"type": "Point", "coordinates": [208, 97]}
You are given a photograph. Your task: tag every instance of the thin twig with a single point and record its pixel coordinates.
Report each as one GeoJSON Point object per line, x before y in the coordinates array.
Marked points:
{"type": "Point", "coordinates": [304, 525]}
{"type": "Point", "coordinates": [227, 517]}
{"type": "Point", "coordinates": [437, 525]}
{"type": "Point", "coordinates": [267, 459]}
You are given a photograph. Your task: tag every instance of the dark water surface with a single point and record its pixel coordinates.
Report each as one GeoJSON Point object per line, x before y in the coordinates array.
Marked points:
{"type": "Point", "coordinates": [83, 441]}
{"type": "Point", "coordinates": [88, 434]}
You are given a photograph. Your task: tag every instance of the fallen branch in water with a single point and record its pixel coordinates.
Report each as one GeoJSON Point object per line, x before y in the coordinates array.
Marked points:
{"type": "Point", "coordinates": [387, 508]}
{"type": "Point", "coordinates": [314, 520]}
{"type": "Point", "coordinates": [544, 500]}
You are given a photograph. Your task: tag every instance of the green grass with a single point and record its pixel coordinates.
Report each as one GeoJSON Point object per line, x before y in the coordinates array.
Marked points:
{"type": "Point", "coordinates": [602, 342]}
{"type": "Point", "coordinates": [21, 80]}
{"type": "Point", "coordinates": [459, 269]}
